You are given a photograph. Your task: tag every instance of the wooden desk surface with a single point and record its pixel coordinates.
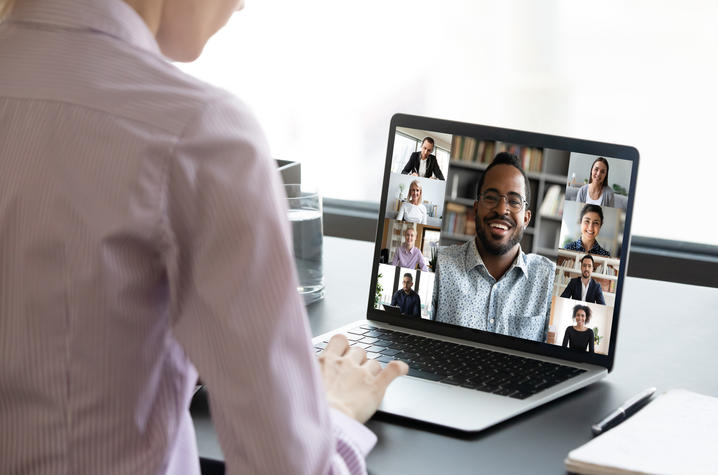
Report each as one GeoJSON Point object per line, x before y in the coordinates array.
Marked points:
{"type": "Point", "coordinates": [666, 339]}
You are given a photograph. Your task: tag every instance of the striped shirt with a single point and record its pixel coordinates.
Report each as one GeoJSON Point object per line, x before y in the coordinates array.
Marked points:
{"type": "Point", "coordinates": [143, 234]}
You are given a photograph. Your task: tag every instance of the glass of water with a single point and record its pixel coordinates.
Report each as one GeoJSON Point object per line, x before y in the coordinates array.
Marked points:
{"type": "Point", "coordinates": [305, 215]}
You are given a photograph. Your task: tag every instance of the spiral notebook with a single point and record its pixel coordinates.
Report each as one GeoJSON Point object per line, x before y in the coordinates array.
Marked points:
{"type": "Point", "coordinates": [675, 434]}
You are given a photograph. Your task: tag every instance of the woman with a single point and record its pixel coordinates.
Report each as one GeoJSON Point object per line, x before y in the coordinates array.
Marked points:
{"type": "Point", "coordinates": [413, 210]}
{"type": "Point", "coordinates": [591, 222]}
{"type": "Point", "coordinates": [125, 185]}
{"type": "Point", "coordinates": [597, 191]}
{"type": "Point", "coordinates": [579, 337]}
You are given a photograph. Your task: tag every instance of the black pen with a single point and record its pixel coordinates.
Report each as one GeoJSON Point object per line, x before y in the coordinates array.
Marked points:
{"type": "Point", "coordinates": [624, 411]}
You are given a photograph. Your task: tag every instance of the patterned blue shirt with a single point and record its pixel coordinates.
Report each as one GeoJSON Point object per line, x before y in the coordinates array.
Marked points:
{"type": "Point", "coordinates": [518, 304]}
{"type": "Point", "coordinates": [596, 249]}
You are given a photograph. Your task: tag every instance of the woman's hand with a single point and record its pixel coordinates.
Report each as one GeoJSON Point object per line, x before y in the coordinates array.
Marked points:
{"type": "Point", "coordinates": [354, 384]}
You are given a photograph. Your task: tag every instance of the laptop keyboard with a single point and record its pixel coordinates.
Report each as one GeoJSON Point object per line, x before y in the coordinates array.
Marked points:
{"type": "Point", "coordinates": [459, 365]}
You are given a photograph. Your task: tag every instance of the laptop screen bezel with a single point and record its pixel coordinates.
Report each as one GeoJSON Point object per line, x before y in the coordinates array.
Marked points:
{"type": "Point", "coordinates": [530, 139]}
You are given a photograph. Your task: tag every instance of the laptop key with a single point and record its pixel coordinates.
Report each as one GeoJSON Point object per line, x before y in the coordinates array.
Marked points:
{"type": "Point", "coordinates": [423, 374]}
{"type": "Point", "coordinates": [382, 343]}
{"type": "Point", "coordinates": [389, 352]}
{"type": "Point", "coordinates": [372, 356]}
{"type": "Point", "coordinates": [368, 339]}
{"type": "Point", "coordinates": [358, 331]}
{"type": "Point", "coordinates": [385, 359]}
{"type": "Point", "coordinates": [503, 391]}
{"type": "Point", "coordinates": [373, 333]}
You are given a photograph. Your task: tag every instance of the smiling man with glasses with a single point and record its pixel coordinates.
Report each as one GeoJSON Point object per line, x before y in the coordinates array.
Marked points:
{"type": "Point", "coordinates": [489, 283]}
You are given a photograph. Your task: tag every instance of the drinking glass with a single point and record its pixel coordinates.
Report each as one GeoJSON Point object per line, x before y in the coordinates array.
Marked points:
{"type": "Point", "coordinates": [305, 215]}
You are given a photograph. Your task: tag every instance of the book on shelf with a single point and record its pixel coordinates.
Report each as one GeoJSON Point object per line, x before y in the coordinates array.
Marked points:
{"type": "Point", "coordinates": [552, 204]}
{"type": "Point", "coordinates": [469, 149]}
{"type": "Point", "coordinates": [564, 261]}
{"type": "Point", "coordinates": [459, 219]}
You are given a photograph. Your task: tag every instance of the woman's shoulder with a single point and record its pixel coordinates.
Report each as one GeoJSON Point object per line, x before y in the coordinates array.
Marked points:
{"type": "Point", "coordinates": [608, 196]}
{"type": "Point", "coordinates": [600, 250]}
{"type": "Point", "coordinates": [582, 192]}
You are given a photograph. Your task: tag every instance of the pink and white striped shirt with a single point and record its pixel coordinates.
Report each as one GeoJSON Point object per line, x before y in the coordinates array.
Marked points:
{"type": "Point", "coordinates": [143, 233]}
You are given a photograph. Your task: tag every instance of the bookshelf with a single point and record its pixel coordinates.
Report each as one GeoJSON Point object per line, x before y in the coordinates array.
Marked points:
{"type": "Point", "coordinates": [568, 266]}
{"type": "Point", "coordinates": [546, 170]}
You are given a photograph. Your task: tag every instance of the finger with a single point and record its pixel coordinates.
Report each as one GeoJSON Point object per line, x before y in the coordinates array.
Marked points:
{"type": "Point", "coordinates": [392, 371]}
{"type": "Point", "coordinates": [356, 354]}
{"type": "Point", "coordinates": [338, 345]}
{"type": "Point", "coordinates": [372, 366]}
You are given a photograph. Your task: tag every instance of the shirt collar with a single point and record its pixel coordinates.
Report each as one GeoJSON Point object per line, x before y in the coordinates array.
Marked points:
{"type": "Point", "coordinates": [473, 259]}
{"type": "Point", "coordinates": [112, 17]}
{"type": "Point", "coordinates": [595, 249]}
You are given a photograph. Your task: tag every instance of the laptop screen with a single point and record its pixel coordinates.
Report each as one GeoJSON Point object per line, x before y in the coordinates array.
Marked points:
{"type": "Point", "coordinates": [521, 237]}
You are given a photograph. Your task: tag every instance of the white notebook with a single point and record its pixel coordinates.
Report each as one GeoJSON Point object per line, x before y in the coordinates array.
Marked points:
{"type": "Point", "coordinates": [675, 434]}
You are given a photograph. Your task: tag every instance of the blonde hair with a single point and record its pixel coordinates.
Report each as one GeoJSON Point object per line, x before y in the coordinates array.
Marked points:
{"type": "Point", "coordinates": [415, 182]}
{"type": "Point", "coordinates": [5, 8]}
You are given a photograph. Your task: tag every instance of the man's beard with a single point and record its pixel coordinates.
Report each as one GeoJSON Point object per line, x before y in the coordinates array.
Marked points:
{"type": "Point", "coordinates": [499, 250]}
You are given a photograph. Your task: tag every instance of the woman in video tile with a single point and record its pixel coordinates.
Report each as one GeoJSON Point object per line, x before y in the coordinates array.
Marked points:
{"type": "Point", "coordinates": [579, 337]}
{"type": "Point", "coordinates": [413, 210]}
{"type": "Point", "coordinates": [591, 222]}
{"type": "Point", "coordinates": [597, 191]}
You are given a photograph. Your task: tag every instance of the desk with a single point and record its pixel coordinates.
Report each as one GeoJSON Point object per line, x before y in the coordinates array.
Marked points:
{"type": "Point", "coordinates": [666, 339]}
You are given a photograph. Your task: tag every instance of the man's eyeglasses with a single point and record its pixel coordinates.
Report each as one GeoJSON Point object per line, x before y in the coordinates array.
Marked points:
{"type": "Point", "coordinates": [514, 201]}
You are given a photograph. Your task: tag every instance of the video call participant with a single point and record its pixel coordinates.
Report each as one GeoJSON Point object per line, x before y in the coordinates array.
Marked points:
{"type": "Point", "coordinates": [406, 299]}
{"type": "Point", "coordinates": [489, 283]}
{"type": "Point", "coordinates": [579, 337]}
{"type": "Point", "coordinates": [584, 287]}
{"type": "Point", "coordinates": [591, 222]}
{"type": "Point", "coordinates": [597, 191]}
{"type": "Point", "coordinates": [413, 210]}
{"type": "Point", "coordinates": [424, 163]}
{"type": "Point", "coordinates": [407, 255]}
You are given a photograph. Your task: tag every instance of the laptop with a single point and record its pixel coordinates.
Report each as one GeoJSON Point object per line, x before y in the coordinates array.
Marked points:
{"type": "Point", "coordinates": [484, 350]}
{"type": "Point", "coordinates": [392, 309]}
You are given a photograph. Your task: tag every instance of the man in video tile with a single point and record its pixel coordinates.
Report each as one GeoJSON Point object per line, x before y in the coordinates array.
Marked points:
{"type": "Point", "coordinates": [406, 299]}
{"type": "Point", "coordinates": [424, 163]}
{"type": "Point", "coordinates": [585, 288]}
{"type": "Point", "coordinates": [489, 283]}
